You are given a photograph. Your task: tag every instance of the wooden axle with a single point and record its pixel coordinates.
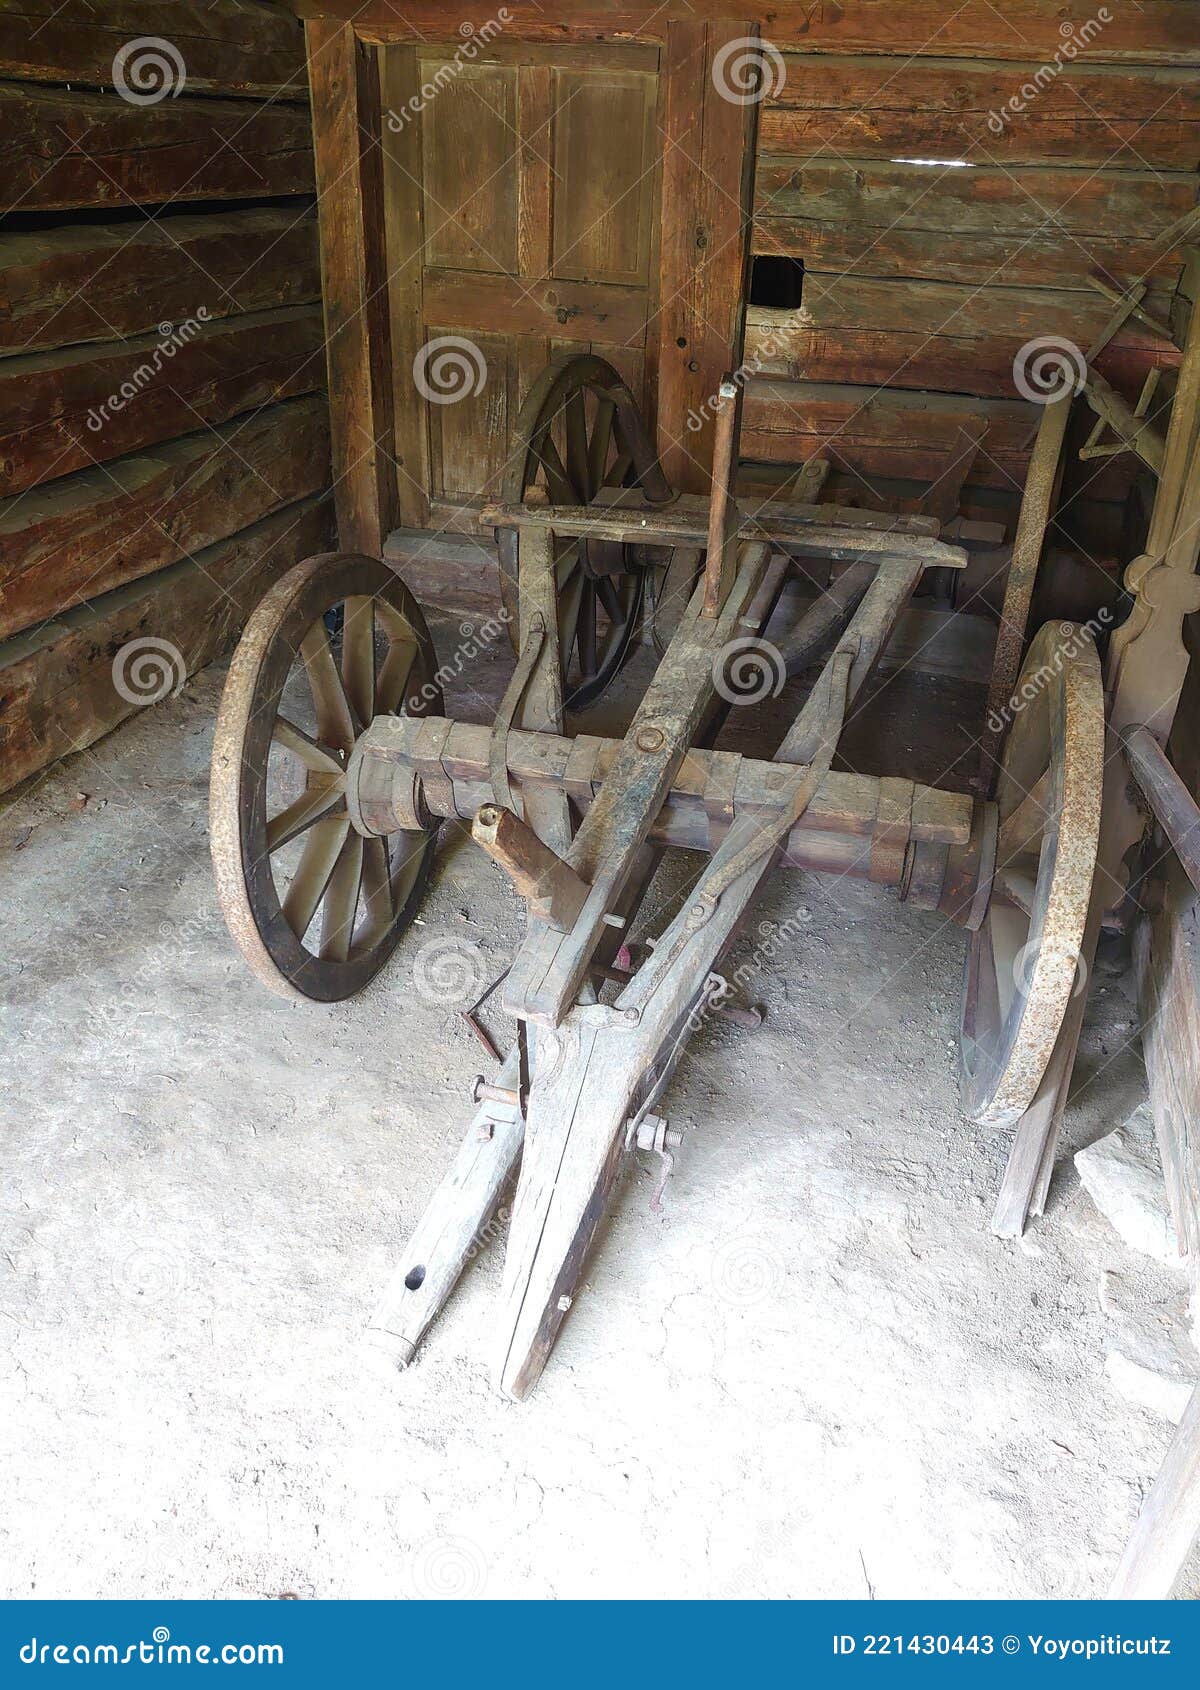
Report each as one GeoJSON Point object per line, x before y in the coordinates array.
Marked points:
{"type": "Point", "coordinates": [431, 766]}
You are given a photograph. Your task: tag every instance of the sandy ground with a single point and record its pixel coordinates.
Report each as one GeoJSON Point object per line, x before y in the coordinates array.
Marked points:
{"type": "Point", "coordinates": [815, 1374]}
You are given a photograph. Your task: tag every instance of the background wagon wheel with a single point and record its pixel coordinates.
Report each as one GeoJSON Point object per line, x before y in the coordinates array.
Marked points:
{"type": "Point", "coordinates": [315, 907]}
{"type": "Point", "coordinates": [1024, 962]}
{"type": "Point", "coordinates": [580, 430]}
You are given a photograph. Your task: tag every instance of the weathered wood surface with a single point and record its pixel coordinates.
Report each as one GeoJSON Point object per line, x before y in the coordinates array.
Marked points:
{"type": "Point", "coordinates": [1169, 1522]}
{"type": "Point", "coordinates": [66, 410]}
{"type": "Point", "coordinates": [87, 533]}
{"type": "Point", "coordinates": [569, 310]}
{"type": "Point", "coordinates": [102, 282]}
{"type": "Point", "coordinates": [76, 149]}
{"type": "Point", "coordinates": [946, 336]}
{"type": "Point", "coordinates": [988, 225]}
{"type": "Point", "coordinates": [669, 526]}
{"type": "Point", "coordinates": [596, 1077]}
{"type": "Point", "coordinates": [872, 106]}
{"type": "Point", "coordinates": [226, 47]}
{"type": "Point", "coordinates": [883, 432]}
{"type": "Point", "coordinates": [349, 162]}
{"type": "Point", "coordinates": [1167, 956]}
{"type": "Point", "coordinates": [58, 683]}
{"type": "Point", "coordinates": [550, 967]}
{"type": "Point", "coordinates": [1160, 32]}
{"type": "Point", "coordinates": [459, 1221]}
{"type": "Point", "coordinates": [708, 160]}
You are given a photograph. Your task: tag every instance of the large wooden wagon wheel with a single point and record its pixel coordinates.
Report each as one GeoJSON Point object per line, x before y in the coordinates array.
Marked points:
{"type": "Point", "coordinates": [579, 431]}
{"type": "Point", "coordinates": [1024, 962]}
{"type": "Point", "coordinates": [315, 905]}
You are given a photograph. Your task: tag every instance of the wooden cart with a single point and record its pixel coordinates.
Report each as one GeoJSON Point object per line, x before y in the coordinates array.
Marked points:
{"type": "Point", "coordinates": [606, 528]}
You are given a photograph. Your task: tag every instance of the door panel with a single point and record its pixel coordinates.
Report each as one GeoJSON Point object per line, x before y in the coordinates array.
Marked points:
{"type": "Point", "coordinates": [469, 166]}
{"type": "Point", "coordinates": [603, 154]}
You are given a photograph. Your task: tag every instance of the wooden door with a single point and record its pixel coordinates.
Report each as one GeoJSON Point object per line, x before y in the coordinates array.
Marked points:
{"type": "Point", "coordinates": [522, 213]}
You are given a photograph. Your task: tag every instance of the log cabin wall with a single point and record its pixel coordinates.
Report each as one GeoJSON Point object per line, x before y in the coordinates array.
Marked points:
{"type": "Point", "coordinates": [949, 203]}
{"type": "Point", "coordinates": [165, 443]}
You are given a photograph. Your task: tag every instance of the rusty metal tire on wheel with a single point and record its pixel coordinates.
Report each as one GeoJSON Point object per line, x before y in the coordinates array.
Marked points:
{"type": "Point", "coordinates": [329, 930]}
{"type": "Point", "coordinates": [1024, 963]}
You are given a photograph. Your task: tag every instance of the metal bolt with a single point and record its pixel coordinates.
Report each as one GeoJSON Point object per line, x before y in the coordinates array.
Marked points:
{"type": "Point", "coordinates": [650, 739]}
{"type": "Point", "coordinates": [564, 1304]}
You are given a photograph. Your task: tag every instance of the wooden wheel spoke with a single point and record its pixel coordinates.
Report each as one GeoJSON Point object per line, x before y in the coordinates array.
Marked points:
{"type": "Point", "coordinates": [1017, 888]}
{"type": "Point", "coordinates": [601, 440]}
{"type": "Point", "coordinates": [576, 435]}
{"type": "Point", "coordinates": [611, 600]}
{"type": "Point", "coordinates": [313, 756]}
{"type": "Point", "coordinates": [569, 602]}
{"type": "Point", "coordinates": [358, 657]}
{"type": "Point", "coordinates": [317, 862]}
{"type": "Point", "coordinates": [558, 482]}
{"type": "Point", "coordinates": [587, 629]}
{"type": "Point", "coordinates": [318, 798]}
{"type": "Point", "coordinates": [335, 719]}
{"type": "Point", "coordinates": [377, 896]}
{"type": "Point", "coordinates": [1024, 826]}
{"type": "Point", "coordinates": [393, 677]}
{"type": "Point", "coordinates": [341, 900]}
{"type": "Point", "coordinates": [619, 469]}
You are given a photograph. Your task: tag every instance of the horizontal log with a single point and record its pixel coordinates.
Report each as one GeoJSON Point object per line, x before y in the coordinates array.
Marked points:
{"type": "Point", "coordinates": [871, 106]}
{"type": "Point", "coordinates": [93, 531]}
{"type": "Point", "coordinates": [1158, 32]}
{"type": "Point", "coordinates": [82, 149]}
{"type": "Point", "coordinates": [880, 432]}
{"type": "Point", "coordinates": [984, 224]}
{"type": "Point", "coordinates": [668, 527]}
{"type": "Point", "coordinates": [85, 405]}
{"type": "Point", "coordinates": [225, 47]}
{"type": "Point", "coordinates": [465, 299]}
{"type": "Point", "coordinates": [59, 683]}
{"type": "Point", "coordinates": [843, 803]}
{"type": "Point", "coordinates": [97, 283]}
{"type": "Point", "coordinates": [946, 336]}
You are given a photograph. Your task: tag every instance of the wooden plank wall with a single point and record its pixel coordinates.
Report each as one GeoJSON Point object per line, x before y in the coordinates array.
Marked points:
{"type": "Point", "coordinates": [164, 443]}
{"type": "Point", "coordinates": [948, 196]}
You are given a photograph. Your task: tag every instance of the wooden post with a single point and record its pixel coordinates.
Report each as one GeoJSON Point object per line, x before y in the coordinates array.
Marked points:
{"type": "Point", "coordinates": [344, 79]}
{"type": "Point", "coordinates": [707, 185]}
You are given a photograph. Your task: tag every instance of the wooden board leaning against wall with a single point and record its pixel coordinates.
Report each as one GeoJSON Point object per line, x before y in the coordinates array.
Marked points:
{"type": "Point", "coordinates": [164, 449]}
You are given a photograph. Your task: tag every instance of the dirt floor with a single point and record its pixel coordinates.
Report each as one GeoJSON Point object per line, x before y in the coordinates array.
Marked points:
{"type": "Point", "coordinates": [815, 1374]}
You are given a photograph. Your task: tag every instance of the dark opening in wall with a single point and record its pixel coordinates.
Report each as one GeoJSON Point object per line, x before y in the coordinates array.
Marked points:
{"type": "Point", "coordinates": [776, 281]}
